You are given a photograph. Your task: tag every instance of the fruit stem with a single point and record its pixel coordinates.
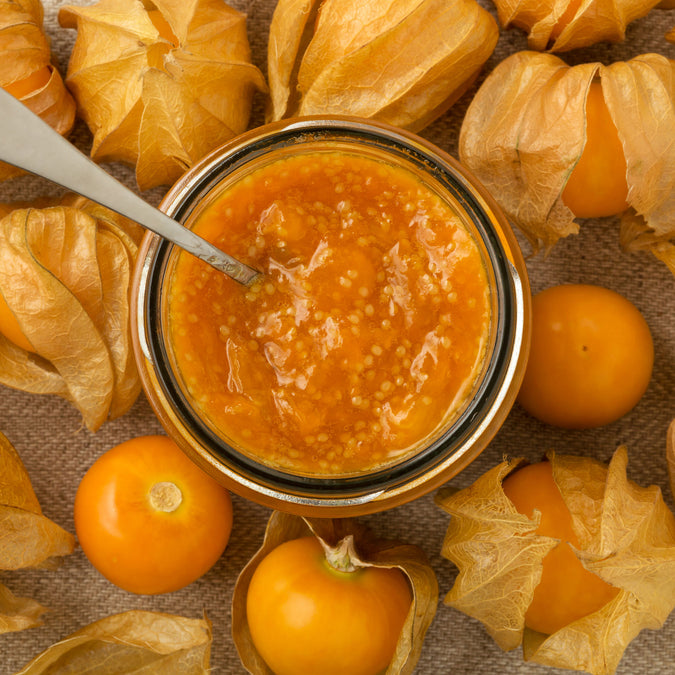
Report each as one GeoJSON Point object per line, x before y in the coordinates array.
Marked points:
{"type": "Point", "coordinates": [165, 496]}
{"type": "Point", "coordinates": [341, 557]}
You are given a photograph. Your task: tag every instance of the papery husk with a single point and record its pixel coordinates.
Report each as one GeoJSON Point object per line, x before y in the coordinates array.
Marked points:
{"type": "Point", "coordinates": [593, 21]}
{"type": "Point", "coordinates": [371, 551]}
{"type": "Point", "coordinates": [24, 49]}
{"type": "Point", "coordinates": [670, 35]}
{"type": "Point", "coordinates": [18, 613]}
{"type": "Point", "coordinates": [670, 456]}
{"type": "Point", "coordinates": [524, 132]}
{"type": "Point", "coordinates": [27, 538]}
{"type": "Point", "coordinates": [634, 235]}
{"type": "Point", "coordinates": [404, 62]}
{"type": "Point", "coordinates": [65, 272]}
{"type": "Point", "coordinates": [626, 536]}
{"type": "Point", "coordinates": [151, 643]}
{"type": "Point", "coordinates": [153, 104]}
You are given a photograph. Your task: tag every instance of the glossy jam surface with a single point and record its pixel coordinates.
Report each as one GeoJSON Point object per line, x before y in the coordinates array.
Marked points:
{"type": "Point", "coordinates": [367, 331]}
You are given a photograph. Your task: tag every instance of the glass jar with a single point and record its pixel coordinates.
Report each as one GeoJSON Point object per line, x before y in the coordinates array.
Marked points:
{"type": "Point", "coordinates": [445, 453]}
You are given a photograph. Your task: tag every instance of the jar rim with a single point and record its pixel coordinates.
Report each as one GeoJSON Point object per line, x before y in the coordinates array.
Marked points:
{"type": "Point", "coordinates": [454, 447]}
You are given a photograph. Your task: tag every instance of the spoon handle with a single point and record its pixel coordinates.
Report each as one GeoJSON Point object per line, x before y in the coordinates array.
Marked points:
{"type": "Point", "coordinates": [31, 144]}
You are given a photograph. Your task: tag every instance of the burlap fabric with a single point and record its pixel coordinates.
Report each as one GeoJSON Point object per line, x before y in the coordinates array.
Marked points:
{"type": "Point", "coordinates": [57, 450]}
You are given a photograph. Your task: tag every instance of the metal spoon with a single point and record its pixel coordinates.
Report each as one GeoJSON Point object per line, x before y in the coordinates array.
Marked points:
{"type": "Point", "coordinates": [31, 144]}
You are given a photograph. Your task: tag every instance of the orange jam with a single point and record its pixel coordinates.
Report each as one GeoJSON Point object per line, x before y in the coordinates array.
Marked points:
{"type": "Point", "coordinates": [366, 332]}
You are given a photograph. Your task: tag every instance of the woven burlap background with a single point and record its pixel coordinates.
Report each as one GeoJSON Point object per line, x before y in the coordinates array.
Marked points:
{"type": "Point", "coordinates": [57, 450]}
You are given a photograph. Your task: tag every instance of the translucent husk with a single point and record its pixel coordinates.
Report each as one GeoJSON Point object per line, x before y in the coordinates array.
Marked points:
{"type": "Point", "coordinates": [370, 551]}
{"type": "Point", "coordinates": [557, 26]}
{"type": "Point", "coordinates": [323, 56]}
{"type": "Point", "coordinates": [670, 456]}
{"type": "Point", "coordinates": [65, 273]}
{"type": "Point", "coordinates": [24, 50]}
{"type": "Point", "coordinates": [29, 539]}
{"type": "Point", "coordinates": [626, 536]}
{"type": "Point", "coordinates": [18, 613]}
{"type": "Point", "coordinates": [525, 131]}
{"type": "Point", "coordinates": [158, 102]}
{"type": "Point", "coordinates": [151, 643]}
{"type": "Point", "coordinates": [635, 235]}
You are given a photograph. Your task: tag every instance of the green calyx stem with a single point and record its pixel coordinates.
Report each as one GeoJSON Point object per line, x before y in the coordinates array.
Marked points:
{"type": "Point", "coordinates": [342, 557]}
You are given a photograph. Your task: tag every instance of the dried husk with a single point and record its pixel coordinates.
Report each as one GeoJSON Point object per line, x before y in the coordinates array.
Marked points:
{"type": "Point", "coordinates": [404, 62]}
{"type": "Point", "coordinates": [160, 103]}
{"type": "Point", "coordinates": [18, 613]}
{"type": "Point", "coordinates": [24, 50]}
{"type": "Point", "coordinates": [524, 131]}
{"type": "Point", "coordinates": [634, 235]}
{"type": "Point", "coordinates": [27, 538]}
{"type": "Point", "coordinates": [670, 35]}
{"type": "Point", "coordinates": [151, 643]}
{"type": "Point", "coordinates": [626, 536]}
{"type": "Point", "coordinates": [670, 456]}
{"type": "Point", "coordinates": [371, 551]}
{"type": "Point", "coordinates": [65, 272]}
{"type": "Point", "coordinates": [562, 25]}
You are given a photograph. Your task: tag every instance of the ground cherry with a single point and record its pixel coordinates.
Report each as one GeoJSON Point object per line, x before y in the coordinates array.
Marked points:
{"type": "Point", "coordinates": [149, 519]}
{"type": "Point", "coordinates": [306, 616]}
{"type": "Point", "coordinates": [567, 590]}
{"type": "Point", "coordinates": [591, 357]}
{"type": "Point", "coordinates": [597, 186]}
{"type": "Point", "coordinates": [10, 328]}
